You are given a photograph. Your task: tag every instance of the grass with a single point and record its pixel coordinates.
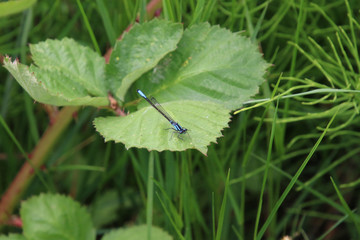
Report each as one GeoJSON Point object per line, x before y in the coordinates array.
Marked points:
{"type": "Point", "coordinates": [291, 172]}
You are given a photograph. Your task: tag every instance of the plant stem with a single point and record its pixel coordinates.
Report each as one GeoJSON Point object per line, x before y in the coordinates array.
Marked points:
{"type": "Point", "coordinates": [37, 158]}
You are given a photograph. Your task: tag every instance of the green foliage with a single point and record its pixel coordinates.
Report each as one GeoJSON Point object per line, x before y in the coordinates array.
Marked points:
{"type": "Point", "coordinates": [224, 68]}
{"type": "Point", "coordinates": [279, 183]}
{"type": "Point", "coordinates": [137, 232]}
{"type": "Point", "coordinates": [212, 71]}
{"type": "Point", "coordinates": [147, 128]}
{"type": "Point", "coordinates": [139, 51]}
{"type": "Point", "coordinates": [66, 73]}
{"type": "Point", "coordinates": [55, 217]}
{"type": "Point", "coordinates": [50, 216]}
{"type": "Point", "coordinates": [210, 64]}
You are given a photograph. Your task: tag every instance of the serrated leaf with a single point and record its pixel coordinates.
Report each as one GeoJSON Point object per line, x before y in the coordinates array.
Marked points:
{"type": "Point", "coordinates": [210, 64]}
{"type": "Point", "coordinates": [136, 233]}
{"type": "Point", "coordinates": [30, 83]}
{"type": "Point", "coordinates": [65, 73]}
{"type": "Point", "coordinates": [58, 217]}
{"type": "Point", "coordinates": [37, 89]}
{"type": "Point", "coordinates": [12, 237]}
{"type": "Point", "coordinates": [139, 51]}
{"type": "Point", "coordinates": [147, 128]}
{"type": "Point", "coordinates": [77, 63]}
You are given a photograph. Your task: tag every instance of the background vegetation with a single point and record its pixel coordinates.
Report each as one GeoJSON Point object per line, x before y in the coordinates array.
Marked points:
{"type": "Point", "coordinates": [292, 163]}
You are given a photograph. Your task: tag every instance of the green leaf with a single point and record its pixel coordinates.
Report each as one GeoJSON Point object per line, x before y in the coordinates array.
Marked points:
{"type": "Point", "coordinates": [55, 217]}
{"type": "Point", "coordinates": [77, 63]}
{"type": "Point", "coordinates": [210, 64]}
{"type": "Point", "coordinates": [211, 72]}
{"type": "Point", "coordinates": [139, 51]}
{"type": "Point", "coordinates": [12, 237]}
{"type": "Point", "coordinates": [66, 73]}
{"type": "Point", "coordinates": [11, 7]}
{"type": "Point", "coordinates": [30, 83]}
{"type": "Point", "coordinates": [137, 232]}
{"type": "Point", "coordinates": [147, 128]}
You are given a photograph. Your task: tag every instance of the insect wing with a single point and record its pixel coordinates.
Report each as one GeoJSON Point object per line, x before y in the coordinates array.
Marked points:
{"type": "Point", "coordinates": [157, 104]}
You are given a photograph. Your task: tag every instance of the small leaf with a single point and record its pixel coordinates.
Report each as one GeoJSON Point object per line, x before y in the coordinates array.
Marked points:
{"type": "Point", "coordinates": [77, 63]}
{"type": "Point", "coordinates": [38, 91]}
{"type": "Point", "coordinates": [210, 64]}
{"type": "Point", "coordinates": [139, 51]}
{"type": "Point", "coordinates": [147, 128]}
{"type": "Point", "coordinates": [55, 217]}
{"type": "Point", "coordinates": [12, 237]}
{"type": "Point", "coordinates": [66, 73]}
{"type": "Point", "coordinates": [137, 232]}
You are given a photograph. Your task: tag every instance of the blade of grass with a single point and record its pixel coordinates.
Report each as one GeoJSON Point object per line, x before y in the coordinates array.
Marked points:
{"type": "Point", "coordinates": [104, 13]}
{"type": "Point", "coordinates": [222, 209]}
{"type": "Point", "coordinates": [29, 107]}
{"type": "Point", "coordinates": [271, 141]}
{"type": "Point", "coordinates": [25, 155]}
{"type": "Point", "coordinates": [314, 192]}
{"type": "Point", "coordinates": [250, 26]}
{"type": "Point", "coordinates": [88, 26]}
{"type": "Point", "coordinates": [139, 176]}
{"type": "Point", "coordinates": [292, 182]}
{"type": "Point", "coordinates": [339, 63]}
{"type": "Point", "coordinates": [333, 227]}
{"type": "Point", "coordinates": [11, 7]}
{"type": "Point", "coordinates": [169, 208]}
{"type": "Point", "coordinates": [346, 207]}
{"type": "Point", "coordinates": [150, 195]}
{"type": "Point", "coordinates": [73, 167]}
{"type": "Point", "coordinates": [284, 95]}
{"type": "Point", "coordinates": [332, 166]}
{"type": "Point", "coordinates": [21, 42]}
{"type": "Point", "coordinates": [209, 8]}
{"type": "Point", "coordinates": [168, 10]}
{"type": "Point", "coordinates": [213, 215]}
{"type": "Point", "coordinates": [196, 18]}
{"type": "Point", "coordinates": [142, 10]}
{"type": "Point", "coordinates": [351, 184]}
{"type": "Point", "coordinates": [259, 22]}
{"type": "Point", "coordinates": [167, 213]}
{"type": "Point", "coordinates": [185, 197]}
{"type": "Point", "coordinates": [247, 157]}
{"type": "Point", "coordinates": [353, 34]}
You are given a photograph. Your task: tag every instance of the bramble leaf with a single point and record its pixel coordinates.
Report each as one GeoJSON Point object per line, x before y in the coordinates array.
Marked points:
{"type": "Point", "coordinates": [65, 73]}
{"type": "Point", "coordinates": [212, 72]}
{"type": "Point", "coordinates": [210, 64]}
{"type": "Point", "coordinates": [137, 232]}
{"type": "Point", "coordinates": [200, 75]}
{"type": "Point", "coordinates": [49, 216]}
{"type": "Point", "coordinates": [77, 63]}
{"type": "Point", "coordinates": [139, 51]}
{"type": "Point", "coordinates": [147, 128]}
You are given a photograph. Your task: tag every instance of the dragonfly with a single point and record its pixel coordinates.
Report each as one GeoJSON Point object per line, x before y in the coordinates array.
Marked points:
{"type": "Point", "coordinates": [175, 126]}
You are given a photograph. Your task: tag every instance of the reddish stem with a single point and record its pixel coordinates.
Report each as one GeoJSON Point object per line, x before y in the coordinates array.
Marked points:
{"type": "Point", "coordinates": [37, 157]}
{"type": "Point", "coordinates": [57, 126]}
